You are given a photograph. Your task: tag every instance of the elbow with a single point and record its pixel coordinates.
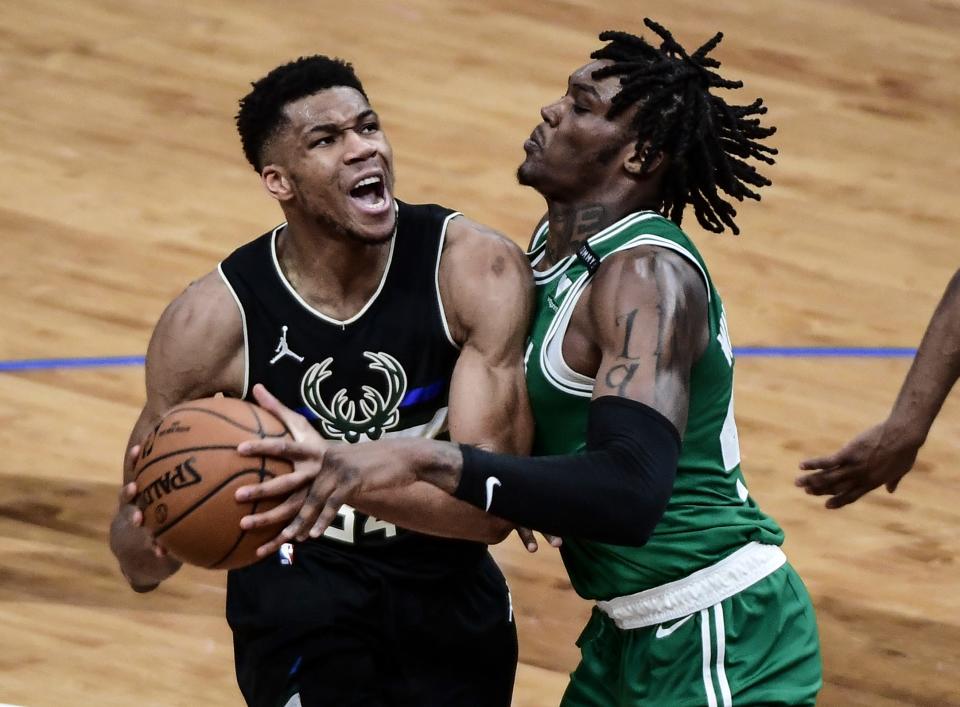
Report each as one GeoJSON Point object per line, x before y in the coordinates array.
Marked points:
{"type": "Point", "coordinates": [143, 588]}
{"type": "Point", "coordinates": [636, 528]}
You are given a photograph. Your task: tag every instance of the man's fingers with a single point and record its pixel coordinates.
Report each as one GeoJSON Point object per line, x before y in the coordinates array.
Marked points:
{"type": "Point", "coordinates": [134, 515]}
{"type": "Point", "coordinates": [282, 485]}
{"type": "Point", "coordinates": [128, 492]}
{"type": "Point", "coordinates": [845, 499]}
{"type": "Point", "coordinates": [825, 482]}
{"type": "Point", "coordinates": [283, 512]}
{"type": "Point", "coordinates": [268, 548]}
{"type": "Point", "coordinates": [825, 463]}
{"type": "Point", "coordinates": [554, 540]}
{"type": "Point", "coordinates": [277, 447]}
{"type": "Point", "coordinates": [326, 517]}
{"type": "Point", "coordinates": [300, 526]}
{"type": "Point", "coordinates": [528, 539]}
{"type": "Point", "coordinates": [294, 421]}
{"type": "Point", "coordinates": [134, 452]}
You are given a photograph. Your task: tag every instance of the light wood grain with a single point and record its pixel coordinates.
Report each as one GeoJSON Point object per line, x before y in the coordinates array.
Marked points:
{"type": "Point", "coordinates": [122, 179]}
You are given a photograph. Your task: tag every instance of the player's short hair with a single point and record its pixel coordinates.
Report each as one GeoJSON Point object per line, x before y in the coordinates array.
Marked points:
{"type": "Point", "coordinates": [706, 139]}
{"type": "Point", "coordinates": [261, 111]}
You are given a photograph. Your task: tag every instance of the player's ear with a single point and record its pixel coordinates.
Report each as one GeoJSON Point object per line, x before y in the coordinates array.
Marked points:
{"type": "Point", "coordinates": [634, 161]}
{"type": "Point", "coordinates": [277, 183]}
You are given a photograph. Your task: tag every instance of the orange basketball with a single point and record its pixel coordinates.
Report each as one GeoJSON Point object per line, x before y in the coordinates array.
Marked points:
{"type": "Point", "coordinates": [187, 472]}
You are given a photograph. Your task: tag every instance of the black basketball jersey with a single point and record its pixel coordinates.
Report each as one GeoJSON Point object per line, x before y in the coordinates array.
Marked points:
{"type": "Point", "coordinates": [384, 372]}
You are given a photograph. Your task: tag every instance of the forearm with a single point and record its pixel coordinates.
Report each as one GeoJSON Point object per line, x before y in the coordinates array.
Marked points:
{"type": "Point", "coordinates": [424, 508]}
{"type": "Point", "coordinates": [934, 371]}
{"type": "Point", "coordinates": [489, 408]}
{"type": "Point", "coordinates": [615, 492]}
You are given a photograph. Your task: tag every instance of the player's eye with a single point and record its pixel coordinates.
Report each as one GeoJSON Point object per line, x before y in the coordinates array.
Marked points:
{"type": "Point", "coordinates": [322, 141]}
{"type": "Point", "coordinates": [370, 128]}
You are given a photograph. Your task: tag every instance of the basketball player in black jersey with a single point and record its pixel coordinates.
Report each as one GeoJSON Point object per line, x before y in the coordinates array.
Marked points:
{"type": "Point", "coordinates": [373, 318]}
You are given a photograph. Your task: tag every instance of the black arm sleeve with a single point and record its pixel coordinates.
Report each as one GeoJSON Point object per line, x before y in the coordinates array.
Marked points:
{"type": "Point", "coordinates": [615, 492]}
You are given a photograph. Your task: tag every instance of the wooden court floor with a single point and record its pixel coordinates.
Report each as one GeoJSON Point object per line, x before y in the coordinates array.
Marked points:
{"type": "Point", "coordinates": [121, 180]}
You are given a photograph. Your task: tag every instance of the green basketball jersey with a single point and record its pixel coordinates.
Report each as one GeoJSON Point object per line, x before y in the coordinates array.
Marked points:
{"type": "Point", "coordinates": [710, 513]}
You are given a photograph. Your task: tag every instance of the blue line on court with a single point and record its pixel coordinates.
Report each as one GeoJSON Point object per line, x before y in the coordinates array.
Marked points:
{"type": "Point", "coordinates": [824, 352]}
{"type": "Point", "coordinates": [45, 364]}
{"type": "Point", "coordinates": [42, 364]}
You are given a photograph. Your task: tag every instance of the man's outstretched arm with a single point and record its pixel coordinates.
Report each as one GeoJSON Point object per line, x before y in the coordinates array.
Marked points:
{"type": "Point", "coordinates": [883, 454]}
{"type": "Point", "coordinates": [648, 309]}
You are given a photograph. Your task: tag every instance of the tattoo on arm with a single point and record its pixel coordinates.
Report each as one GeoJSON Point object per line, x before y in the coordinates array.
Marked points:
{"type": "Point", "coordinates": [619, 377]}
{"type": "Point", "coordinates": [662, 305]}
{"type": "Point", "coordinates": [628, 318]}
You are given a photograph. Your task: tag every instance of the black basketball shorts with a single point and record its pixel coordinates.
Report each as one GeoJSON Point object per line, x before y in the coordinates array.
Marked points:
{"type": "Point", "coordinates": [343, 634]}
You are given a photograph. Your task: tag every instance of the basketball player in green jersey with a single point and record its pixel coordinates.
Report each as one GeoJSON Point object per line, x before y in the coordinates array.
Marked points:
{"type": "Point", "coordinates": [630, 374]}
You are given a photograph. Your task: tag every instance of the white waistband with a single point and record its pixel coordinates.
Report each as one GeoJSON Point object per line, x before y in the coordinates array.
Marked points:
{"type": "Point", "coordinates": [698, 591]}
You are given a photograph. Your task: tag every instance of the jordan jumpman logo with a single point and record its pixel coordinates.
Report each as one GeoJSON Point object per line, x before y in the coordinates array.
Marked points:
{"type": "Point", "coordinates": [284, 350]}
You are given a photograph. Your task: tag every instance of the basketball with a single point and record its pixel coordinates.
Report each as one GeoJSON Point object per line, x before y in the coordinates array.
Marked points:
{"type": "Point", "coordinates": [187, 472]}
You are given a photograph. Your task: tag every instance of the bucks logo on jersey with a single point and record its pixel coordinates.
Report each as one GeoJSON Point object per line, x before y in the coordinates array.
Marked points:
{"type": "Point", "coordinates": [378, 408]}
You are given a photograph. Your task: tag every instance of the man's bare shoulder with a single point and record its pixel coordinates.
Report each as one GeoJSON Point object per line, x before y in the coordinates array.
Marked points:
{"type": "Point", "coordinates": [197, 347]}
{"type": "Point", "coordinates": [485, 280]}
{"type": "Point", "coordinates": [650, 289]}
{"type": "Point", "coordinates": [477, 252]}
{"type": "Point", "coordinates": [647, 269]}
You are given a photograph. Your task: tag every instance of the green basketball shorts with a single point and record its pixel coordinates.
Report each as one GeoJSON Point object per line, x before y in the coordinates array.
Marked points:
{"type": "Point", "coordinates": [757, 647]}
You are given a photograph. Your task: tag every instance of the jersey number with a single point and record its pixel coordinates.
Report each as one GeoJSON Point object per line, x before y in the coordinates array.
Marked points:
{"type": "Point", "coordinates": [347, 534]}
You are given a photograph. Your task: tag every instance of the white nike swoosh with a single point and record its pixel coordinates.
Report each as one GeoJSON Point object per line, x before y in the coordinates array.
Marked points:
{"type": "Point", "coordinates": [492, 482]}
{"type": "Point", "coordinates": [664, 632]}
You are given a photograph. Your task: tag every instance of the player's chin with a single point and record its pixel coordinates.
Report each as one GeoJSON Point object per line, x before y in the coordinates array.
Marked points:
{"type": "Point", "coordinates": [374, 233]}
{"type": "Point", "coordinates": [372, 226]}
{"type": "Point", "coordinates": [527, 172]}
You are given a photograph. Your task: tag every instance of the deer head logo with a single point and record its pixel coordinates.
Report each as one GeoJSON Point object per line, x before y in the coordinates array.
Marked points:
{"type": "Point", "coordinates": [379, 411]}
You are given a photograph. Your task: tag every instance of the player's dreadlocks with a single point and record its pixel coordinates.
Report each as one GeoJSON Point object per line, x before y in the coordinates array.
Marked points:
{"type": "Point", "coordinates": [706, 139]}
{"type": "Point", "coordinates": [261, 111]}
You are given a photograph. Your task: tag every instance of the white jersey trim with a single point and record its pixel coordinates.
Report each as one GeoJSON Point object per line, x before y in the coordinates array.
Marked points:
{"type": "Point", "coordinates": [695, 592]}
{"type": "Point", "coordinates": [542, 277]}
{"type": "Point", "coordinates": [535, 243]}
{"type": "Point", "coordinates": [246, 339]}
{"type": "Point", "coordinates": [316, 312]}
{"type": "Point", "coordinates": [545, 276]}
{"type": "Point", "coordinates": [555, 367]}
{"type": "Point", "coordinates": [725, 696]}
{"type": "Point", "coordinates": [436, 278]}
{"type": "Point", "coordinates": [705, 652]}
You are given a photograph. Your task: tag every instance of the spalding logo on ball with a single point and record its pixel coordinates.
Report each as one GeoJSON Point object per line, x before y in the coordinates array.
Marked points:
{"type": "Point", "coordinates": [188, 471]}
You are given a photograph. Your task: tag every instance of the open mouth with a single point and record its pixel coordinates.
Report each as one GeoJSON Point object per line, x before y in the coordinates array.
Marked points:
{"type": "Point", "coordinates": [370, 194]}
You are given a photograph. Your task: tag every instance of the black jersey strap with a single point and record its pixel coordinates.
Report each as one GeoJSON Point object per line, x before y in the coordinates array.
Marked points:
{"type": "Point", "coordinates": [615, 492]}
{"type": "Point", "coordinates": [587, 256]}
